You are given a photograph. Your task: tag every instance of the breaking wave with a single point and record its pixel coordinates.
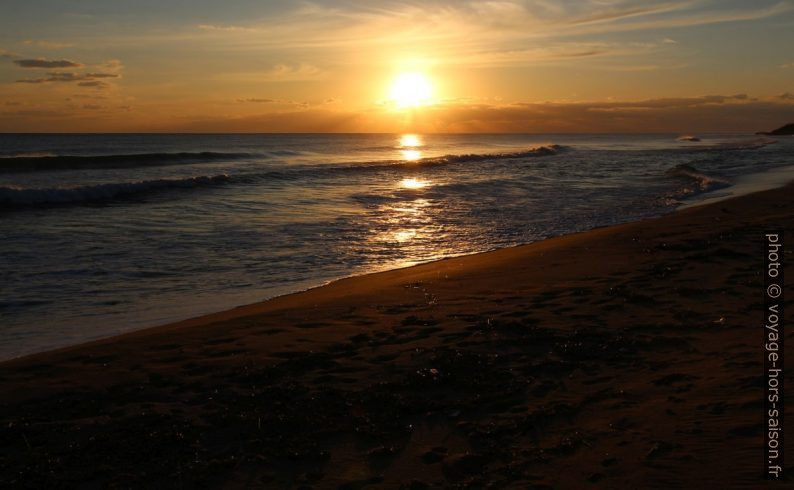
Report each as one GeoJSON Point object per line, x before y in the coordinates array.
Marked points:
{"type": "Point", "coordinates": [748, 144]}
{"type": "Point", "coordinates": [477, 157]}
{"type": "Point", "coordinates": [16, 198]}
{"type": "Point", "coordinates": [32, 162]}
{"type": "Point", "coordinates": [702, 182]}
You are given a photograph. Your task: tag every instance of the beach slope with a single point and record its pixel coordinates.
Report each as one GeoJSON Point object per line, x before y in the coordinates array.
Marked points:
{"type": "Point", "coordinates": [624, 357]}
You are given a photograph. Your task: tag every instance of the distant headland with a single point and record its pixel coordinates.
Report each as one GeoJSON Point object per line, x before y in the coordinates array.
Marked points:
{"type": "Point", "coordinates": [786, 130]}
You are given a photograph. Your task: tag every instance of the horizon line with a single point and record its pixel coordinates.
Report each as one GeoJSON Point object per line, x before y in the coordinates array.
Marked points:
{"type": "Point", "coordinates": [540, 133]}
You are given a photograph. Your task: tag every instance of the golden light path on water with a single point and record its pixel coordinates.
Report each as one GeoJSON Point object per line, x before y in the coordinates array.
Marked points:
{"type": "Point", "coordinates": [411, 155]}
{"type": "Point", "coordinates": [410, 224]}
{"type": "Point", "coordinates": [413, 183]}
{"type": "Point", "coordinates": [409, 147]}
{"type": "Point", "coordinates": [411, 140]}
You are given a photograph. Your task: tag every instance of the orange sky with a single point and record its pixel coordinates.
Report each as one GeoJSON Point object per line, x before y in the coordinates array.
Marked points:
{"type": "Point", "coordinates": [494, 66]}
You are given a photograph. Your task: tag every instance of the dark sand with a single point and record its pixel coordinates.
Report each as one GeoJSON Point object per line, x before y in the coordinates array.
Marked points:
{"type": "Point", "coordinates": [625, 357]}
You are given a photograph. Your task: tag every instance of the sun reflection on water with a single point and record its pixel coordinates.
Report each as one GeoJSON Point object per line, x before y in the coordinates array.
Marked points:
{"type": "Point", "coordinates": [405, 235]}
{"type": "Point", "coordinates": [409, 144]}
{"type": "Point", "coordinates": [411, 230]}
{"type": "Point", "coordinates": [410, 140]}
{"type": "Point", "coordinates": [413, 183]}
{"type": "Point", "coordinates": [411, 155]}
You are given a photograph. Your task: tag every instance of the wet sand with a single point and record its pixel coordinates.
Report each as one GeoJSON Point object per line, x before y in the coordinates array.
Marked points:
{"type": "Point", "coordinates": [624, 357]}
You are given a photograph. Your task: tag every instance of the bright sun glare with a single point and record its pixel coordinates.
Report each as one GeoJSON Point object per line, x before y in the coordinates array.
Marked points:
{"type": "Point", "coordinates": [410, 140]}
{"type": "Point", "coordinates": [412, 183]}
{"type": "Point", "coordinates": [411, 90]}
{"type": "Point", "coordinates": [410, 145]}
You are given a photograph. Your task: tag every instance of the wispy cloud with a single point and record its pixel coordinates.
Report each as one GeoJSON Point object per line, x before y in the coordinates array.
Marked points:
{"type": "Point", "coordinates": [255, 100]}
{"type": "Point", "coordinates": [35, 113]}
{"type": "Point", "coordinates": [87, 96]}
{"type": "Point", "coordinates": [7, 54]}
{"type": "Point", "coordinates": [512, 31]}
{"type": "Point", "coordinates": [675, 114]}
{"type": "Point", "coordinates": [102, 75]}
{"type": "Point", "coordinates": [665, 103]}
{"type": "Point", "coordinates": [473, 51]}
{"type": "Point", "coordinates": [635, 67]}
{"type": "Point", "coordinates": [739, 112]}
{"type": "Point", "coordinates": [61, 76]}
{"type": "Point", "coordinates": [46, 44]}
{"type": "Point", "coordinates": [43, 63]}
{"type": "Point", "coordinates": [278, 73]}
{"type": "Point", "coordinates": [54, 77]}
{"type": "Point", "coordinates": [553, 52]}
{"type": "Point", "coordinates": [113, 65]}
{"type": "Point", "coordinates": [302, 71]}
{"type": "Point", "coordinates": [620, 11]}
{"type": "Point", "coordinates": [706, 113]}
{"type": "Point", "coordinates": [692, 19]}
{"type": "Point", "coordinates": [107, 72]}
{"type": "Point", "coordinates": [224, 28]}
{"type": "Point", "coordinates": [286, 102]}
{"type": "Point", "coordinates": [94, 84]}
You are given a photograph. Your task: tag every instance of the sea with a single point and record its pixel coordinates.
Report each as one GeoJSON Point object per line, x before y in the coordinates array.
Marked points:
{"type": "Point", "coordinates": [107, 233]}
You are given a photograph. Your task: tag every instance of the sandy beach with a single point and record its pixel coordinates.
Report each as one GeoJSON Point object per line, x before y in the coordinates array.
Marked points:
{"type": "Point", "coordinates": [624, 357]}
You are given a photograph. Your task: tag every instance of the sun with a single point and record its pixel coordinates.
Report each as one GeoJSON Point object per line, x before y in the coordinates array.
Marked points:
{"type": "Point", "coordinates": [411, 90]}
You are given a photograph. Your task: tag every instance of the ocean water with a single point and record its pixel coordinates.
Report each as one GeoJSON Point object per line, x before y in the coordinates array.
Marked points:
{"type": "Point", "coordinates": [102, 234]}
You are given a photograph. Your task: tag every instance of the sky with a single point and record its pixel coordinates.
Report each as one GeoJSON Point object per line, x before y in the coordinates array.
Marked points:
{"type": "Point", "coordinates": [533, 66]}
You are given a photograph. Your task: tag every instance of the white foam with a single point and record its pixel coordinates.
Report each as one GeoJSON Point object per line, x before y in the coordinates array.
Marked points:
{"type": "Point", "coordinates": [746, 184]}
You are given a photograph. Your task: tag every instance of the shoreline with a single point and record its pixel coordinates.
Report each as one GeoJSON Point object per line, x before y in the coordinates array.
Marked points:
{"type": "Point", "coordinates": [536, 365]}
{"type": "Point", "coordinates": [747, 184]}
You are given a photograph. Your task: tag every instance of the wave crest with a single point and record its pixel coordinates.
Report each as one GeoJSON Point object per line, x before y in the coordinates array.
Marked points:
{"type": "Point", "coordinates": [538, 151]}
{"type": "Point", "coordinates": [32, 162]}
{"type": "Point", "coordinates": [746, 144]}
{"type": "Point", "coordinates": [704, 182]}
{"type": "Point", "coordinates": [15, 198]}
